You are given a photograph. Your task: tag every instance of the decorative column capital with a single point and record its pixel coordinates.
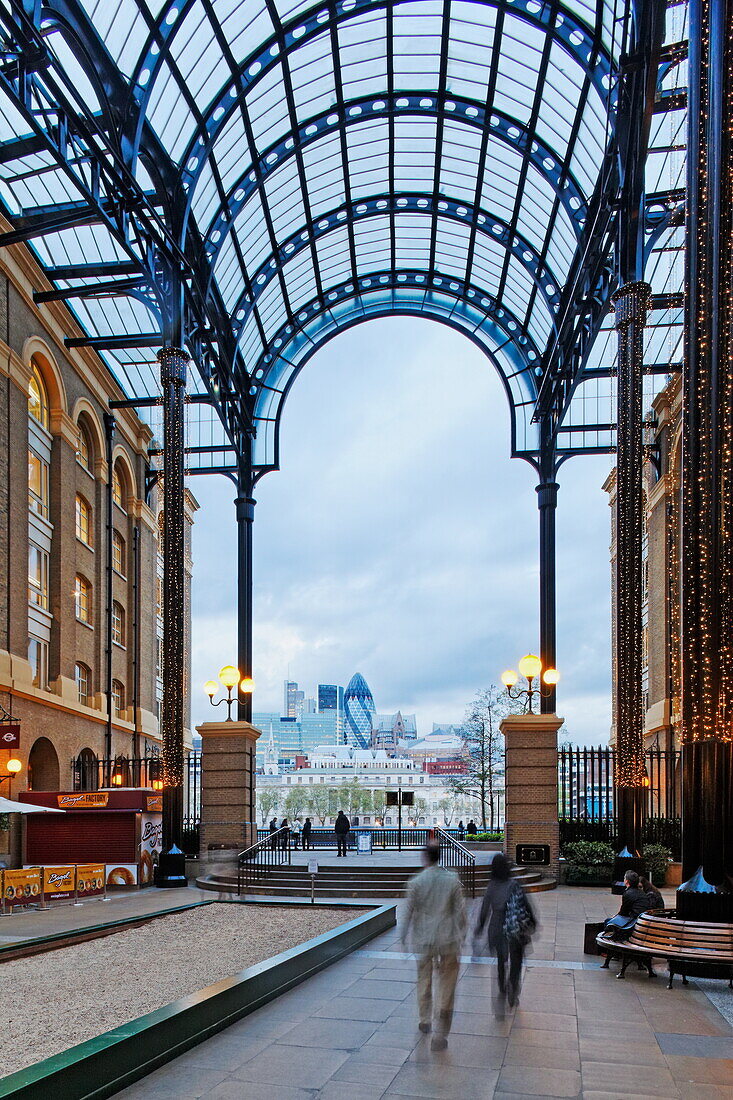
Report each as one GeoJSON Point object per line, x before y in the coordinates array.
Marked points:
{"type": "Point", "coordinates": [547, 494]}
{"type": "Point", "coordinates": [632, 302]}
{"type": "Point", "coordinates": [173, 365]}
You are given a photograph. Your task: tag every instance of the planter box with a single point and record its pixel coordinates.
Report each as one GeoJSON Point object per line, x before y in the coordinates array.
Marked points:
{"type": "Point", "coordinates": [674, 875]}
{"type": "Point", "coordinates": [484, 845]}
{"type": "Point", "coordinates": [600, 874]}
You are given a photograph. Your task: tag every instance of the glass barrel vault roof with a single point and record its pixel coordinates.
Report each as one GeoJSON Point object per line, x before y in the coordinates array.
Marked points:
{"type": "Point", "coordinates": [330, 162]}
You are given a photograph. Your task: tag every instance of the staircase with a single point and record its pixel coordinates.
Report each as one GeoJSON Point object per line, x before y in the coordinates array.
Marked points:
{"type": "Point", "coordinates": [342, 881]}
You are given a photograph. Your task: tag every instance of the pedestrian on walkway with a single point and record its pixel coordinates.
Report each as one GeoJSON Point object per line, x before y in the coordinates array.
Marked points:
{"type": "Point", "coordinates": [434, 926]}
{"type": "Point", "coordinates": [511, 925]}
{"type": "Point", "coordinates": [461, 830]}
{"type": "Point", "coordinates": [296, 830]}
{"type": "Point", "coordinates": [341, 829]}
{"type": "Point", "coordinates": [307, 834]}
{"type": "Point", "coordinates": [284, 835]}
{"type": "Point", "coordinates": [471, 829]}
{"type": "Point", "coordinates": [273, 830]}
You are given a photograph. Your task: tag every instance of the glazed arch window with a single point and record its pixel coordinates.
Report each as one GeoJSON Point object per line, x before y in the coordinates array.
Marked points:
{"type": "Point", "coordinates": [83, 520]}
{"type": "Point", "coordinates": [118, 487]}
{"type": "Point", "coordinates": [118, 624]}
{"type": "Point", "coordinates": [84, 448]}
{"type": "Point", "coordinates": [83, 678]}
{"type": "Point", "coordinates": [118, 553]}
{"type": "Point", "coordinates": [118, 698]}
{"type": "Point", "coordinates": [38, 406]}
{"type": "Point", "coordinates": [83, 600]}
{"type": "Point", "coordinates": [37, 484]}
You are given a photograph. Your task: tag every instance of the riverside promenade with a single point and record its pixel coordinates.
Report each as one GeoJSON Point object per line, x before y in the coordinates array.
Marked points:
{"type": "Point", "coordinates": [350, 1032]}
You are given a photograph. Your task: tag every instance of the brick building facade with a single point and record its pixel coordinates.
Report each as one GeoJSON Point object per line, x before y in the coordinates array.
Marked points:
{"type": "Point", "coordinates": [661, 568]}
{"type": "Point", "coordinates": [55, 555]}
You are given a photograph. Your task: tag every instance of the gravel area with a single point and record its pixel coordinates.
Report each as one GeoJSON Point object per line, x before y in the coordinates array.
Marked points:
{"type": "Point", "coordinates": [53, 1001]}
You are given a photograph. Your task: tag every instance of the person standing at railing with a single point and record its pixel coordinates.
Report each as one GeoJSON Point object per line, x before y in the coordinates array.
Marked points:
{"type": "Point", "coordinates": [461, 830]}
{"type": "Point", "coordinates": [273, 830]}
{"type": "Point", "coordinates": [296, 831]}
{"type": "Point", "coordinates": [341, 829]}
{"type": "Point", "coordinates": [307, 834]}
{"type": "Point", "coordinates": [434, 926]}
{"type": "Point", "coordinates": [284, 835]}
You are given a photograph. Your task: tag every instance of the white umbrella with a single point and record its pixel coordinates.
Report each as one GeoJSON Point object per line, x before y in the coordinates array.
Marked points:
{"type": "Point", "coordinates": [9, 807]}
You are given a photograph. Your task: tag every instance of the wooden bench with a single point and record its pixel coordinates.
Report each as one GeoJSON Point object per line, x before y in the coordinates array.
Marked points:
{"type": "Point", "coordinates": [691, 948]}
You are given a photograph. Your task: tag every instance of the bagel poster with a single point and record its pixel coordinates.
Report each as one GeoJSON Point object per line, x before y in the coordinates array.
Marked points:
{"type": "Point", "coordinates": [151, 842]}
{"type": "Point", "coordinates": [89, 879]}
{"type": "Point", "coordinates": [121, 874]}
{"type": "Point", "coordinates": [22, 887]}
{"type": "Point", "coordinates": [59, 883]}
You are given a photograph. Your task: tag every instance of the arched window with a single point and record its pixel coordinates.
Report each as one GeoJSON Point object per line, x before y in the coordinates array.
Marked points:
{"type": "Point", "coordinates": [84, 450]}
{"type": "Point", "coordinates": [83, 600]}
{"type": "Point", "coordinates": [43, 766]}
{"type": "Point", "coordinates": [118, 623]}
{"type": "Point", "coordinates": [118, 487]}
{"type": "Point", "coordinates": [83, 520]}
{"type": "Point", "coordinates": [87, 771]}
{"type": "Point", "coordinates": [38, 406]}
{"type": "Point", "coordinates": [118, 553]}
{"type": "Point", "coordinates": [118, 698]}
{"type": "Point", "coordinates": [83, 678]}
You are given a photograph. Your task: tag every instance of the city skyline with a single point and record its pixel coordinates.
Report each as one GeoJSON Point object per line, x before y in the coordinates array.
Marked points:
{"type": "Point", "coordinates": [399, 539]}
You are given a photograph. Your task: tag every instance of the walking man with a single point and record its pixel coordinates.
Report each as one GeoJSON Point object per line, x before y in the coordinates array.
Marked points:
{"type": "Point", "coordinates": [435, 926]}
{"type": "Point", "coordinates": [341, 829]}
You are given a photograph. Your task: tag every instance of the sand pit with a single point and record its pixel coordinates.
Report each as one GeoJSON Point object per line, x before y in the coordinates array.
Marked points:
{"type": "Point", "coordinates": [53, 1001]}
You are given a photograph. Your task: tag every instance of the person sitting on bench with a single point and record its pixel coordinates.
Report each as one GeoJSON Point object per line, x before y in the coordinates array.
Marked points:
{"type": "Point", "coordinates": [633, 903]}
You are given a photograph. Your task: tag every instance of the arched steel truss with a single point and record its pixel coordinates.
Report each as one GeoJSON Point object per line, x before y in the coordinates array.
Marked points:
{"type": "Point", "coordinates": [211, 253]}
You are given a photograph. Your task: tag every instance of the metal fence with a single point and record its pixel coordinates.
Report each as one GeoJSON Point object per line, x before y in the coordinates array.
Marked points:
{"type": "Point", "coordinates": [586, 805]}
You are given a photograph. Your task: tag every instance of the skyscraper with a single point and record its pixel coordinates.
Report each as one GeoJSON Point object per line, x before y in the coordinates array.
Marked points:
{"type": "Point", "coordinates": [292, 699]}
{"type": "Point", "coordinates": [359, 710]}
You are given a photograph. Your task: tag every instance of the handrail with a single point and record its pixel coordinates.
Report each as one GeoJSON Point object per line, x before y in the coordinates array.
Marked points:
{"type": "Point", "coordinates": [255, 861]}
{"type": "Point", "coordinates": [453, 853]}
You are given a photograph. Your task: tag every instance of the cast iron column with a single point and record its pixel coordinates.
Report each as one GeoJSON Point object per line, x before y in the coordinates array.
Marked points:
{"type": "Point", "coordinates": [632, 303]}
{"type": "Point", "coordinates": [109, 444]}
{"type": "Point", "coordinates": [173, 367]}
{"type": "Point", "coordinates": [707, 466]}
{"type": "Point", "coordinates": [547, 504]}
{"type": "Point", "coordinates": [245, 505]}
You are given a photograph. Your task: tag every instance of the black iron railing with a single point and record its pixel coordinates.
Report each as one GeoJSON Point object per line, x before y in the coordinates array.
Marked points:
{"type": "Point", "coordinates": [381, 838]}
{"type": "Point", "coordinates": [455, 855]}
{"type": "Point", "coordinates": [255, 862]}
{"type": "Point", "coordinates": [586, 805]}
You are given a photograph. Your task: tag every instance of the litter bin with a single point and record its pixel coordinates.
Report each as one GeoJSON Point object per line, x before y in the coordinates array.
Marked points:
{"type": "Point", "coordinates": [364, 843]}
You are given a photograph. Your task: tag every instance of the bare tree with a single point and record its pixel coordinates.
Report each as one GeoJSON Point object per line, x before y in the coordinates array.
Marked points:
{"type": "Point", "coordinates": [483, 751]}
{"type": "Point", "coordinates": [447, 807]}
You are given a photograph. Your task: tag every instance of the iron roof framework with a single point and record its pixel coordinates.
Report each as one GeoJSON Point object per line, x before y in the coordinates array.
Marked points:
{"type": "Point", "coordinates": [253, 176]}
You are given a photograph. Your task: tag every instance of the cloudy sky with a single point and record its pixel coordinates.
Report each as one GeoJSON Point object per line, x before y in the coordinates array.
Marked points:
{"type": "Point", "coordinates": [399, 540]}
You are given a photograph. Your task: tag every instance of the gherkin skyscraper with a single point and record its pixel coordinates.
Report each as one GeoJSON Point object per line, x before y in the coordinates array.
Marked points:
{"type": "Point", "coordinates": [359, 710]}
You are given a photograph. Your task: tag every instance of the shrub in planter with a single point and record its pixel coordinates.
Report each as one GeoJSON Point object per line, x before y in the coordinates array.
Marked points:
{"type": "Point", "coordinates": [657, 858]}
{"type": "Point", "coordinates": [484, 836]}
{"type": "Point", "coordinates": [589, 861]}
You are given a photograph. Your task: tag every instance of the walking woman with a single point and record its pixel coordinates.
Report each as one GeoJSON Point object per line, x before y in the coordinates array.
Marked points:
{"type": "Point", "coordinates": [511, 924]}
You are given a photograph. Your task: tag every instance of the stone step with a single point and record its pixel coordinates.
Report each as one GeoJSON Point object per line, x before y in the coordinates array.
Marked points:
{"type": "Point", "coordinates": [367, 888]}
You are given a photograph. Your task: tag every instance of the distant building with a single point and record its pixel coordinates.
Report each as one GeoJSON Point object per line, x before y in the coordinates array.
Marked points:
{"type": "Point", "coordinates": [359, 710]}
{"type": "Point", "coordinates": [293, 699]}
{"type": "Point", "coordinates": [330, 697]}
{"type": "Point", "coordinates": [388, 730]}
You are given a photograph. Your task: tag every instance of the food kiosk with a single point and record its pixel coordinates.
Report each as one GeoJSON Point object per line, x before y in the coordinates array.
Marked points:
{"type": "Point", "coordinates": [120, 828]}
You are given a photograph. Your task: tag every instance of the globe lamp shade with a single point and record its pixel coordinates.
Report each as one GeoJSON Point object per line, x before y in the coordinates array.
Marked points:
{"type": "Point", "coordinates": [551, 676]}
{"type": "Point", "coordinates": [13, 765]}
{"type": "Point", "coordinates": [211, 687]}
{"type": "Point", "coordinates": [229, 676]}
{"type": "Point", "coordinates": [509, 678]}
{"type": "Point", "coordinates": [530, 666]}
{"type": "Point", "coordinates": [247, 685]}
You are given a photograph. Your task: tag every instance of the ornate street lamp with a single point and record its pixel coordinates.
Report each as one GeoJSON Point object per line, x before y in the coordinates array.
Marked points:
{"type": "Point", "coordinates": [530, 668]}
{"type": "Point", "coordinates": [229, 677]}
{"type": "Point", "coordinates": [13, 766]}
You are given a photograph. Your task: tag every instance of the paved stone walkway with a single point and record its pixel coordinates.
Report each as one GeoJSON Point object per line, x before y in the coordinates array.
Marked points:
{"type": "Point", "coordinates": [350, 1033]}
